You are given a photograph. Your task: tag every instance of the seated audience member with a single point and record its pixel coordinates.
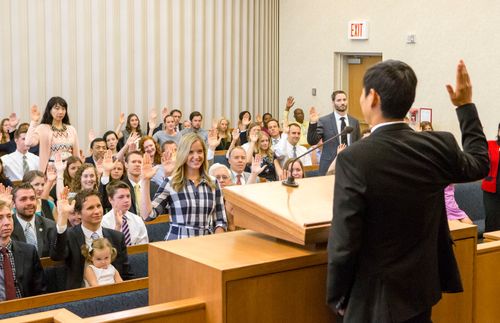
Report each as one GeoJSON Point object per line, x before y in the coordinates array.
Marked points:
{"type": "Point", "coordinates": [244, 119]}
{"type": "Point", "coordinates": [3, 179]}
{"type": "Point", "coordinates": [168, 133]}
{"type": "Point", "coordinates": [177, 114]}
{"type": "Point", "coordinates": [34, 230]}
{"type": "Point", "coordinates": [64, 175]}
{"type": "Point", "coordinates": [98, 147]}
{"type": "Point", "coordinates": [98, 268]}
{"type": "Point", "coordinates": [298, 115]}
{"type": "Point", "coordinates": [133, 165]}
{"type": "Point", "coordinates": [44, 207]}
{"type": "Point", "coordinates": [193, 200]}
{"type": "Point", "coordinates": [169, 145]}
{"type": "Point", "coordinates": [196, 120]}
{"type": "Point", "coordinates": [186, 124]}
{"type": "Point", "coordinates": [21, 270]}
{"type": "Point", "coordinates": [69, 241]}
{"type": "Point", "coordinates": [453, 212]}
{"type": "Point", "coordinates": [253, 129]}
{"type": "Point", "coordinates": [133, 126]}
{"type": "Point", "coordinates": [296, 170]}
{"type": "Point", "coordinates": [273, 128]}
{"type": "Point", "coordinates": [223, 134]}
{"type": "Point", "coordinates": [259, 145]}
{"type": "Point", "coordinates": [426, 126]}
{"type": "Point", "coordinates": [112, 142]}
{"type": "Point", "coordinates": [19, 162]}
{"type": "Point", "coordinates": [120, 219]}
{"type": "Point", "coordinates": [237, 162]}
{"type": "Point", "coordinates": [266, 117]}
{"type": "Point", "coordinates": [289, 147]}
{"type": "Point", "coordinates": [85, 179]}
{"type": "Point", "coordinates": [221, 173]}
{"type": "Point", "coordinates": [149, 146]}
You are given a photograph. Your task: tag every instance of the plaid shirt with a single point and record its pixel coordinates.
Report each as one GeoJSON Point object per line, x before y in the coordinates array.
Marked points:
{"type": "Point", "coordinates": [194, 211]}
{"type": "Point", "coordinates": [12, 263]}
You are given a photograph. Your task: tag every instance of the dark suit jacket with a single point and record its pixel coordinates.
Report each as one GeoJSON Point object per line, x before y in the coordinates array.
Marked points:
{"type": "Point", "coordinates": [389, 251]}
{"type": "Point", "coordinates": [67, 248]}
{"type": "Point", "coordinates": [325, 128]}
{"type": "Point", "coordinates": [29, 271]}
{"type": "Point", "coordinates": [153, 187]}
{"type": "Point", "coordinates": [89, 160]}
{"type": "Point", "coordinates": [45, 234]}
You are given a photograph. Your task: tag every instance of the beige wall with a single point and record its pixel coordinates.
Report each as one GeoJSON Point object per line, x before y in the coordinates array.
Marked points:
{"type": "Point", "coordinates": [311, 32]}
{"type": "Point", "coordinates": [107, 56]}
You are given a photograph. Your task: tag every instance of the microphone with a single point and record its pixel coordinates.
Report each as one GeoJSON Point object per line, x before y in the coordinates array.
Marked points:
{"type": "Point", "coordinates": [290, 181]}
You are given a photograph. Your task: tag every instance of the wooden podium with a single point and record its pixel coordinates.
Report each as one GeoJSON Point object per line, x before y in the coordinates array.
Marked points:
{"type": "Point", "coordinates": [247, 276]}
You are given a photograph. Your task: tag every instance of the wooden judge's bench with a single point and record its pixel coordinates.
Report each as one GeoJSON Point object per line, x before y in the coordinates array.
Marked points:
{"type": "Point", "coordinates": [276, 271]}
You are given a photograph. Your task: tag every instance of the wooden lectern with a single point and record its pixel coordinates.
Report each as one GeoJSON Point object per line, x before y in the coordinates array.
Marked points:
{"type": "Point", "coordinates": [247, 276]}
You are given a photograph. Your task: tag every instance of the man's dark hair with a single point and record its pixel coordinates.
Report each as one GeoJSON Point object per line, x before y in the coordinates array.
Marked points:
{"type": "Point", "coordinates": [395, 83]}
{"type": "Point", "coordinates": [114, 186]}
{"type": "Point", "coordinates": [195, 114]}
{"type": "Point", "coordinates": [335, 93]}
{"type": "Point", "coordinates": [82, 196]}
{"type": "Point", "coordinates": [22, 186]}
{"type": "Point", "coordinates": [277, 122]}
{"type": "Point", "coordinates": [175, 110]}
{"type": "Point", "coordinates": [96, 140]}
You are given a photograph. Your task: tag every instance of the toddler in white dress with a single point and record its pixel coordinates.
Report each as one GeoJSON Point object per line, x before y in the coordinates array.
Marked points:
{"type": "Point", "coordinates": [98, 268]}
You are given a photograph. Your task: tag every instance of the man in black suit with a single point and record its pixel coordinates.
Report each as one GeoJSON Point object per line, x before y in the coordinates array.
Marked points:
{"type": "Point", "coordinates": [98, 147]}
{"type": "Point", "coordinates": [22, 259]}
{"type": "Point", "coordinates": [390, 251]}
{"type": "Point", "coordinates": [328, 126]}
{"type": "Point", "coordinates": [29, 228]}
{"type": "Point", "coordinates": [69, 240]}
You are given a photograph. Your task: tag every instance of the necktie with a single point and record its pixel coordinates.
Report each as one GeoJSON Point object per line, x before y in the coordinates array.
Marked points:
{"type": "Point", "coordinates": [294, 152]}
{"type": "Point", "coordinates": [343, 138]}
{"type": "Point", "coordinates": [94, 236]}
{"type": "Point", "coordinates": [8, 274]}
{"type": "Point", "coordinates": [125, 231]}
{"type": "Point", "coordinates": [26, 167]}
{"type": "Point", "coordinates": [238, 179]}
{"type": "Point", "coordinates": [30, 235]}
{"type": "Point", "coordinates": [137, 193]}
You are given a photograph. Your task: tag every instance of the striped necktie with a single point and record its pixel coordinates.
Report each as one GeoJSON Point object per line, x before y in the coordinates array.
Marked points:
{"type": "Point", "coordinates": [126, 231]}
{"type": "Point", "coordinates": [30, 235]}
{"type": "Point", "coordinates": [94, 236]}
{"type": "Point", "coordinates": [26, 167]}
{"type": "Point", "coordinates": [294, 152]}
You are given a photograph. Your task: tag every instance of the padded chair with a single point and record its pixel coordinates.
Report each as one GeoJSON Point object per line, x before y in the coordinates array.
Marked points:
{"type": "Point", "coordinates": [469, 197]}
{"type": "Point", "coordinates": [139, 264]}
{"type": "Point", "coordinates": [157, 231]}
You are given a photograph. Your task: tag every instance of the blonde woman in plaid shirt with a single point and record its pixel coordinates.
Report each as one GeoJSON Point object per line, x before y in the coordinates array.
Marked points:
{"type": "Point", "coordinates": [192, 198]}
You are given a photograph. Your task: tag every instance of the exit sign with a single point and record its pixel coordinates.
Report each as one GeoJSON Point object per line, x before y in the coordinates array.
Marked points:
{"type": "Point", "coordinates": [358, 30]}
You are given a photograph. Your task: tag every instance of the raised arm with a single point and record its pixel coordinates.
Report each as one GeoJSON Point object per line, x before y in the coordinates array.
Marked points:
{"type": "Point", "coordinates": [147, 173]}
{"type": "Point", "coordinates": [32, 136]}
{"type": "Point", "coordinates": [118, 129]}
{"type": "Point", "coordinates": [315, 131]}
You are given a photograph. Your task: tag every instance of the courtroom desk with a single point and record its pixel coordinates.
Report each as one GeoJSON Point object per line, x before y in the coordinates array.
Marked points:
{"type": "Point", "coordinates": [458, 307]}
{"type": "Point", "coordinates": [243, 276]}
{"type": "Point", "coordinates": [491, 236]}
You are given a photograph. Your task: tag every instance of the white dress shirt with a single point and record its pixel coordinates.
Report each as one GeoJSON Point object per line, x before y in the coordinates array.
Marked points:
{"type": "Point", "coordinates": [339, 123]}
{"type": "Point", "coordinates": [136, 226]}
{"type": "Point", "coordinates": [88, 235]}
{"type": "Point", "coordinates": [284, 151]}
{"type": "Point", "coordinates": [235, 176]}
{"type": "Point", "coordinates": [13, 164]}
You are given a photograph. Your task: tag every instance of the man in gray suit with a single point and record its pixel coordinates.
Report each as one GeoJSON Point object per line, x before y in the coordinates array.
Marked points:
{"type": "Point", "coordinates": [330, 125]}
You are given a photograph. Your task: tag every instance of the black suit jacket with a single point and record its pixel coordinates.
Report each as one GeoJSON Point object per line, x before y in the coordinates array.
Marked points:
{"type": "Point", "coordinates": [29, 271]}
{"type": "Point", "coordinates": [67, 247]}
{"type": "Point", "coordinates": [45, 234]}
{"type": "Point", "coordinates": [325, 128]}
{"type": "Point", "coordinates": [89, 160]}
{"type": "Point", "coordinates": [389, 251]}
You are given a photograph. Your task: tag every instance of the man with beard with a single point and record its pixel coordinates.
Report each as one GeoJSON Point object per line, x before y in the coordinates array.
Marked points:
{"type": "Point", "coordinates": [329, 126]}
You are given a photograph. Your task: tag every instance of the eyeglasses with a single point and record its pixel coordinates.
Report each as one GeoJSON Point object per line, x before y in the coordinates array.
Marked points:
{"type": "Point", "coordinates": [222, 177]}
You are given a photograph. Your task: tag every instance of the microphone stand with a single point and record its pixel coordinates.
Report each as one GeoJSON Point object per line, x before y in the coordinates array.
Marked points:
{"type": "Point", "coordinates": [290, 181]}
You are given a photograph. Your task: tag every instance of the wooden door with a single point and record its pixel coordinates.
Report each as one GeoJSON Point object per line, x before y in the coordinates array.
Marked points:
{"type": "Point", "coordinates": [355, 74]}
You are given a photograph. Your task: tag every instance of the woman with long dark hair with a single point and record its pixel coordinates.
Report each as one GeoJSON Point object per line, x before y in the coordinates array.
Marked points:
{"type": "Point", "coordinates": [54, 133]}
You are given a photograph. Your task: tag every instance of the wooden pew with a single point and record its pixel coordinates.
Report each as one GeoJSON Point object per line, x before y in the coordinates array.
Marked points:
{"type": "Point", "coordinates": [190, 310]}
{"type": "Point", "coordinates": [487, 292]}
{"type": "Point", "coordinates": [491, 236]}
{"type": "Point", "coordinates": [72, 295]}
